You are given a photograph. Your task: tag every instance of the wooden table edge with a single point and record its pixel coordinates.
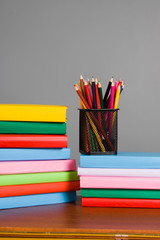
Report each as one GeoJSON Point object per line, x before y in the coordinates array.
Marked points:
{"type": "Point", "coordinates": [71, 233]}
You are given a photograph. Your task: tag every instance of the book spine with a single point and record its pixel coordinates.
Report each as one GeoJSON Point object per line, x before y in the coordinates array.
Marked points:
{"type": "Point", "coordinates": [30, 178]}
{"type": "Point", "coordinates": [120, 182]}
{"type": "Point", "coordinates": [17, 167]}
{"type": "Point", "coordinates": [37, 200]}
{"type": "Point", "coordinates": [33, 113]}
{"type": "Point", "coordinates": [15, 154]}
{"type": "Point", "coordinates": [113, 202]}
{"type": "Point", "coordinates": [33, 141]}
{"type": "Point", "coordinates": [32, 127]}
{"type": "Point", "coordinates": [41, 188]}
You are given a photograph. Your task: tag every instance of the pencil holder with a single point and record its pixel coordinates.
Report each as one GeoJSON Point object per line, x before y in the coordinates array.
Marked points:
{"type": "Point", "coordinates": [98, 131]}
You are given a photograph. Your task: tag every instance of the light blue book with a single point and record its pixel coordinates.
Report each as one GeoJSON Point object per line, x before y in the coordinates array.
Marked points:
{"type": "Point", "coordinates": [9, 154]}
{"type": "Point", "coordinates": [37, 200]}
{"type": "Point", "coordinates": [135, 160]}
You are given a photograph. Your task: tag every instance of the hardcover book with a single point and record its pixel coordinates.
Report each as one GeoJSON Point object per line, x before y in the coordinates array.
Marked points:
{"type": "Point", "coordinates": [120, 193]}
{"type": "Point", "coordinates": [38, 188]}
{"type": "Point", "coordinates": [29, 178]}
{"type": "Point", "coordinates": [17, 167]}
{"type": "Point", "coordinates": [32, 113]}
{"type": "Point", "coordinates": [120, 182]}
{"type": "Point", "coordinates": [33, 127]}
{"type": "Point", "coordinates": [33, 141]}
{"type": "Point", "coordinates": [117, 172]}
{"type": "Point", "coordinates": [37, 200]}
{"type": "Point", "coordinates": [125, 160]}
{"type": "Point", "coordinates": [15, 154]}
{"type": "Point", "coordinates": [114, 202]}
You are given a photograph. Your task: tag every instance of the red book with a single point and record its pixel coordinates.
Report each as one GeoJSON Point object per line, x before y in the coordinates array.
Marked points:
{"type": "Point", "coordinates": [38, 188]}
{"type": "Point", "coordinates": [121, 202]}
{"type": "Point", "coordinates": [33, 141]}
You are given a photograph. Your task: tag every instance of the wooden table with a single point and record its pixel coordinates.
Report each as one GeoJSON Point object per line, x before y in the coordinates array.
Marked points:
{"type": "Point", "coordinates": [71, 221]}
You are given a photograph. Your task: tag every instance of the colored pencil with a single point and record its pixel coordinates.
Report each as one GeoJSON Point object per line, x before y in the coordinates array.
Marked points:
{"type": "Point", "coordinates": [90, 89]}
{"type": "Point", "coordinates": [88, 135]}
{"type": "Point", "coordinates": [110, 102]}
{"type": "Point", "coordinates": [100, 94]}
{"type": "Point", "coordinates": [98, 102]}
{"type": "Point", "coordinates": [88, 94]}
{"type": "Point", "coordinates": [120, 82]}
{"type": "Point", "coordinates": [117, 97]}
{"type": "Point", "coordinates": [92, 140]}
{"type": "Point", "coordinates": [82, 87]}
{"type": "Point", "coordinates": [115, 88]}
{"type": "Point", "coordinates": [81, 105]}
{"type": "Point", "coordinates": [111, 107]}
{"type": "Point", "coordinates": [117, 94]}
{"type": "Point", "coordinates": [94, 94]}
{"type": "Point", "coordinates": [107, 92]}
{"type": "Point", "coordinates": [122, 87]}
{"type": "Point", "coordinates": [97, 94]}
{"type": "Point", "coordinates": [112, 96]}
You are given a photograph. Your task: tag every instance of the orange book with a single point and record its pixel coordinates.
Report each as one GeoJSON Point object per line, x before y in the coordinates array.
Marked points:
{"type": "Point", "coordinates": [38, 188]}
{"type": "Point", "coordinates": [33, 141]}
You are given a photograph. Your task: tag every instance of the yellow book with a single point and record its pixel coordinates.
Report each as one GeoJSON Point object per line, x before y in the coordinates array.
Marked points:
{"type": "Point", "coordinates": [32, 113]}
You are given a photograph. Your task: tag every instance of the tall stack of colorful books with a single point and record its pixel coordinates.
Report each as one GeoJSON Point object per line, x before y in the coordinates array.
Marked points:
{"type": "Point", "coordinates": [128, 179]}
{"type": "Point", "coordinates": [35, 164]}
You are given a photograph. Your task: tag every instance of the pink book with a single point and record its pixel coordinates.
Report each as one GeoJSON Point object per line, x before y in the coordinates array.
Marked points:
{"type": "Point", "coordinates": [17, 167]}
{"type": "Point", "coordinates": [120, 182]}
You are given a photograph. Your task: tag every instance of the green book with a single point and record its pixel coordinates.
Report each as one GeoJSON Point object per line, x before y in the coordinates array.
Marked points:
{"type": "Point", "coordinates": [30, 178]}
{"type": "Point", "coordinates": [32, 127]}
{"type": "Point", "coordinates": [121, 193]}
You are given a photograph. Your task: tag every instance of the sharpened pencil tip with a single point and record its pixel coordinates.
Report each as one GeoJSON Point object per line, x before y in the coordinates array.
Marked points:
{"type": "Point", "coordinates": [81, 77]}
{"type": "Point", "coordinates": [85, 82]}
{"type": "Point", "coordinates": [111, 80]}
{"type": "Point", "coordinates": [92, 79]}
{"type": "Point", "coordinates": [99, 85]}
{"type": "Point", "coordinates": [76, 87]}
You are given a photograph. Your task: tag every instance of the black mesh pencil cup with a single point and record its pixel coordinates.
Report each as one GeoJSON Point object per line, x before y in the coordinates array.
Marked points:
{"type": "Point", "coordinates": [98, 130]}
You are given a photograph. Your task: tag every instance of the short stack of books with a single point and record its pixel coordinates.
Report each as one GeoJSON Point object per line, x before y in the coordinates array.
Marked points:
{"type": "Point", "coordinates": [128, 179]}
{"type": "Point", "coordinates": [35, 164]}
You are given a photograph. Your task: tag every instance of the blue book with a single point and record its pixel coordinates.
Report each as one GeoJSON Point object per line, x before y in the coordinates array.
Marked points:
{"type": "Point", "coordinates": [9, 154]}
{"type": "Point", "coordinates": [37, 200]}
{"type": "Point", "coordinates": [135, 160]}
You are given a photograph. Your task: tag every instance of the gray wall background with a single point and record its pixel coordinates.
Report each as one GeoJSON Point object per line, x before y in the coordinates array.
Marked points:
{"type": "Point", "coordinates": [46, 44]}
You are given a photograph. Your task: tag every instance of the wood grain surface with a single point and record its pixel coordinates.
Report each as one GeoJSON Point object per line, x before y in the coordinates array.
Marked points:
{"type": "Point", "coordinates": [72, 219]}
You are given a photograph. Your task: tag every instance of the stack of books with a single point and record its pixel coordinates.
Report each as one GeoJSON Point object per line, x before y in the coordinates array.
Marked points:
{"type": "Point", "coordinates": [128, 179]}
{"type": "Point", "coordinates": [35, 164]}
